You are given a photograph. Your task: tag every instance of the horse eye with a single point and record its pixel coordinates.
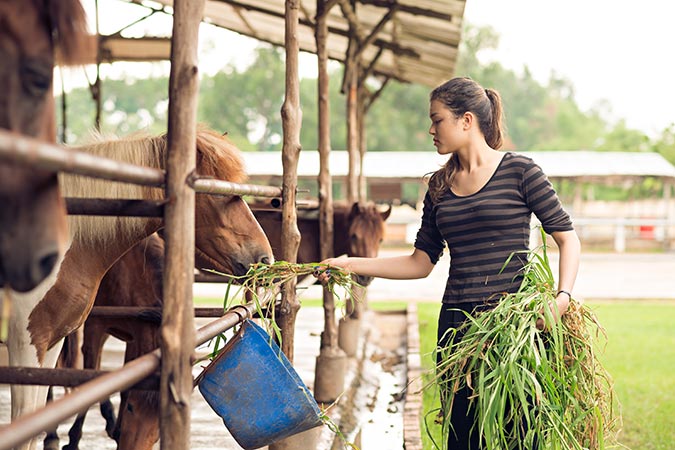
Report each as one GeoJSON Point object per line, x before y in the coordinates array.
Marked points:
{"type": "Point", "coordinates": [353, 238]}
{"type": "Point", "coordinates": [36, 77]}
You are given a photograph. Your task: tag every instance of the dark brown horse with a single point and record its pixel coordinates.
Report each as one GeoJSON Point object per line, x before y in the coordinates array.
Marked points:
{"type": "Point", "coordinates": [358, 231]}
{"type": "Point", "coordinates": [33, 231]}
{"type": "Point", "coordinates": [135, 280]}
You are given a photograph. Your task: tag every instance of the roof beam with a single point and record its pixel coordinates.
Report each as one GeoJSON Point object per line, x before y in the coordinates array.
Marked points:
{"type": "Point", "coordinates": [369, 70]}
{"type": "Point", "coordinates": [407, 9]}
{"type": "Point", "coordinates": [376, 30]}
{"type": "Point", "coordinates": [311, 23]}
{"type": "Point", "coordinates": [349, 14]}
{"type": "Point", "coordinates": [245, 21]}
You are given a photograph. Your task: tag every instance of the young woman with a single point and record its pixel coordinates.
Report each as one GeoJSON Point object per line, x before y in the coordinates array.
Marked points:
{"type": "Point", "coordinates": [479, 204]}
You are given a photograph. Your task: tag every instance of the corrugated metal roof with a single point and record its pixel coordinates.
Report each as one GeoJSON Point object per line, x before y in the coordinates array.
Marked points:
{"type": "Point", "coordinates": [411, 165]}
{"type": "Point", "coordinates": [418, 44]}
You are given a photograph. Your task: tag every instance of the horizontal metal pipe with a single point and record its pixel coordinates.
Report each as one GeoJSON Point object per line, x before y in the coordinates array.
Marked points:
{"type": "Point", "coordinates": [40, 376]}
{"type": "Point", "coordinates": [135, 312]}
{"type": "Point", "coordinates": [47, 418]}
{"type": "Point", "coordinates": [115, 207]}
{"type": "Point", "coordinates": [213, 186]}
{"type": "Point", "coordinates": [28, 151]}
{"type": "Point", "coordinates": [229, 320]}
{"type": "Point", "coordinates": [91, 392]}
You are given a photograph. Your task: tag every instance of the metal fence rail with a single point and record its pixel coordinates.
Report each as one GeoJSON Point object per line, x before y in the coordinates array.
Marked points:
{"type": "Point", "coordinates": [23, 150]}
{"type": "Point", "coordinates": [100, 388]}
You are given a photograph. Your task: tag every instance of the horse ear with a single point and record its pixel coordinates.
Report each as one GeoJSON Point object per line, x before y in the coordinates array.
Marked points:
{"type": "Point", "coordinates": [385, 214]}
{"type": "Point", "coordinates": [355, 210]}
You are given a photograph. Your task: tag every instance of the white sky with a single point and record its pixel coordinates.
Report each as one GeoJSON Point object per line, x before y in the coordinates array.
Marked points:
{"type": "Point", "coordinates": [618, 51]}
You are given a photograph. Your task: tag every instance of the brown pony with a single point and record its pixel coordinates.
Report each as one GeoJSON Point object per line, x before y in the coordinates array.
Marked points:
{"type": "Point", "coordinates": [358, 230]}
{"type": "Point", "coordinates": [134, 280]}
{"type": "Point", "coordinates": [33, 215]}
{"type": "Point", "coordinates": [227, 239]}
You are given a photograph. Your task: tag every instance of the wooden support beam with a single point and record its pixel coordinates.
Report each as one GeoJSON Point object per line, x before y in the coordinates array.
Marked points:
{"type": "Point", "coordinates": [349, 13]}
{"type": "Point", "coordinates": [177, 332]}
{"type": "Point", "coordinates": [329, 337]}
{"type": "Point", "coordinates": [291, 116]}
{"type": "Point", "coordinates": [368, 71]}
{"type": "Point", "coordinates": [375, 95]}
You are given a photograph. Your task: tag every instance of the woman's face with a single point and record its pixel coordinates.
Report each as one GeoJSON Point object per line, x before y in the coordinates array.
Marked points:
{"type": "Point", "coordinates": [445, 128]}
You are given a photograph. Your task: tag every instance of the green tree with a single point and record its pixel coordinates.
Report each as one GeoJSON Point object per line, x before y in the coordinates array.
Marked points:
{"type": "Point", "coordinates": [127, 106]}
{"type": "Point", "coordinates": [135, 105]}
{"type": "Point", "coordinates": [309, 134]}
{"type": "Point", "coordinates": [536, 117]}
{"type": "Point", "coordinates": [399, 119]}
{"type": "Point", "coordinates": [665, 144]}
{"type": "Point", "coordinates": [247, 104]}
{"type": "Point", "coordinates": [623, 139]}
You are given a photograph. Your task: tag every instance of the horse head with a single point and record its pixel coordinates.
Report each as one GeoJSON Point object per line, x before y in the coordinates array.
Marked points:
{"type": "Point", "coordinates": [366, 232]}
{"type": "Point", "coordinates": [227, 236]}
{"type": "Point", "coordinates": [33, 214]}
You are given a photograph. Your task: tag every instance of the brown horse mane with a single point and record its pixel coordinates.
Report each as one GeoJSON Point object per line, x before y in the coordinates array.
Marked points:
{"type": "Point", "coordinates": [219, 157]}
{"type": "Point", "coordinates": [216, 157]}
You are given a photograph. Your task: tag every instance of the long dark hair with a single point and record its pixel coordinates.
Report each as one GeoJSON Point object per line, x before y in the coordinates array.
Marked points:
{"type": "Point", "coordinates": [462, 95]}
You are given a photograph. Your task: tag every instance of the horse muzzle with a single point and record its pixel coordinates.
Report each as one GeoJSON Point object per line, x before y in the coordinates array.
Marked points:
{"type": "Point", "coordinates": [363, 280]}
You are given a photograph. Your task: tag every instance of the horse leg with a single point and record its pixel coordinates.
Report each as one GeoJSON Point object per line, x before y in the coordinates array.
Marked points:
{"type": "Point", "coordinates": [26, 399]}
{"type": "Point", "coordinates": [75, 432]}
{"type": "Point", "coordinates": [108, 413]}
{"type": "Point", "coordinates": [92, 349]}
{"type": "Point", "coordinates": [117, 429]}
{"type": "Point", "coordinates": [51, 441]}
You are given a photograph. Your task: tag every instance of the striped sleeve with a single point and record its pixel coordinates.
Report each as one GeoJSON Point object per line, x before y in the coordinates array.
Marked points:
{"type": "Point", "coordinates": [543, 201]}
{"type": "Point", "coordinates": [429, 238]}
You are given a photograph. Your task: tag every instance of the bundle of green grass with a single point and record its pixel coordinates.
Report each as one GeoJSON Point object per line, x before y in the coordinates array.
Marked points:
{"type": "Point", "coordinates": [263, 282]}
{"type": "Point", "coordinates": [532, 388]}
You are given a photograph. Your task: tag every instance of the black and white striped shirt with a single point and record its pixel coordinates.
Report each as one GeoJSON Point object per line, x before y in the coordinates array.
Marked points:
{"type": "Point", "coordinates": [483, 229]}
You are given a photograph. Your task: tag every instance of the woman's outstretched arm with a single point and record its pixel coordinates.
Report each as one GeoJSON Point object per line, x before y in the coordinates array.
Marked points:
{"type": "Point", "coordinates": [405, 267]}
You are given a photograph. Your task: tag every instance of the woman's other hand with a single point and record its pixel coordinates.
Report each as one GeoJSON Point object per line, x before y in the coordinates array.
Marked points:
{"type": "Point", "coordinates": [562, 303]}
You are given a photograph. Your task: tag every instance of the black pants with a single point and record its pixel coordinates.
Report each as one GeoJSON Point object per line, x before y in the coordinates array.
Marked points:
{"type": "Point", "coordinates": [463, 414]}
{"type": "Point", "coordinates": [463, 435]}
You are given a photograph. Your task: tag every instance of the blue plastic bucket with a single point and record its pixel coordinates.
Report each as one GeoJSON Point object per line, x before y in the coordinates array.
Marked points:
{"type": "Point", "coordinates": [253, 387]}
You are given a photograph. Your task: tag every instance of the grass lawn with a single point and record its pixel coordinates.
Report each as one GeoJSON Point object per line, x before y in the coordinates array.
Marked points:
{"type": "Point", "coordinates": [639, 354]}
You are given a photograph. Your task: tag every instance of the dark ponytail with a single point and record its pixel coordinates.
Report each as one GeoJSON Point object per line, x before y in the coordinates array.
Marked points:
{"type": "Point", "coordinates": [461, 95]}
{"type": "Point", "coordinates": [494, 130]}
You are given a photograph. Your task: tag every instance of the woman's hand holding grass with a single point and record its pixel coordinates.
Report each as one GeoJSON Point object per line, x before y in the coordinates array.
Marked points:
{"type": "Point", "coordinates": [322, 271]}
{"type": "Point", "coordinates": [562, 301]}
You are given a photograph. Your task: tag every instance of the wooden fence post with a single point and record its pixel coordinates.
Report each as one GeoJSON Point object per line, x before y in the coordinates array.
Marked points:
{"type": "Point", "coordinates": [178, 336]}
